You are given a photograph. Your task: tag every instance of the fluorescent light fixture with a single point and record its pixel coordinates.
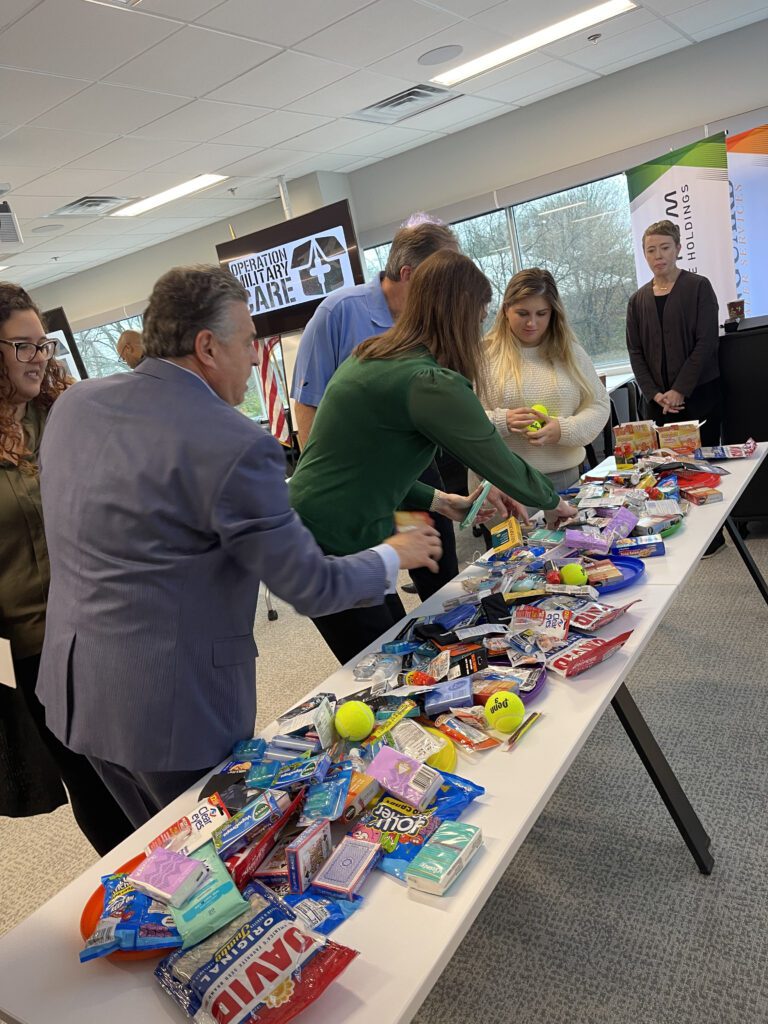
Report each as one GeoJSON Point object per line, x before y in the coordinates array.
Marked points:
{"type": "Point", "coordinates": [187, 188]}
{"type": "Point", "coordinates": [557, 209]}
{"type": "Point", "coordinates": [4, 268]}
{"type": "Point", "coordinates": [545, 36]}
{"type": "Point", "coordinates": [126, 4]}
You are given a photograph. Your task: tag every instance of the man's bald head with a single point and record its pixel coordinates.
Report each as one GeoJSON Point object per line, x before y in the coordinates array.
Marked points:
{"type": "Point", "coordinates": [130, 348]}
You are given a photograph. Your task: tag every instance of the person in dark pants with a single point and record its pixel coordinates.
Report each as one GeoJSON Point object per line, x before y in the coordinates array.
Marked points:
{"type": "Point", "coordinates": [342, 321]}
{"type": "Point", "coordinates": [34, 762]}
{"type": "Point", "coordinates": [673, 339]}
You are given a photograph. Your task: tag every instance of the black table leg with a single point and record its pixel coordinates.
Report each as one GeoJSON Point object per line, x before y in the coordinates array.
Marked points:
{"type": "Point", "coordinates": [746, 557]}
{"type": "Point", "coordinates": [664, 779]}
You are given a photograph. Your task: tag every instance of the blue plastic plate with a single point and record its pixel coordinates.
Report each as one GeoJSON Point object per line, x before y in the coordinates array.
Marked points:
{"type": "Point", "coordinates": [631, 570]}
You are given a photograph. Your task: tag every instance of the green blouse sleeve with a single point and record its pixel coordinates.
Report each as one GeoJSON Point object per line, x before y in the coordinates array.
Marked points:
{"type": "Point", "coordinates": [444, 408]}
{"type": "Point", "coordinates": [419, 496]}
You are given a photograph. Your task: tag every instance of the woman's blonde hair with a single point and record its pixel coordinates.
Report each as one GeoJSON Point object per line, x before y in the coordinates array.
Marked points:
{"type": "Point", "coordinates": [443, 313]}
{"type": "Point", "coordinates": [503, 348]}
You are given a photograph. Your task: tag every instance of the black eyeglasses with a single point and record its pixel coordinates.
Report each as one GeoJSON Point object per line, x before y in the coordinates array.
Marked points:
{"type": "Point", "coordinates": [27, 350]}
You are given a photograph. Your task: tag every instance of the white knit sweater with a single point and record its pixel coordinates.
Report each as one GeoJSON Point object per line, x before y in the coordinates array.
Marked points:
{"type": "Point", "coordinates": [546, 384]}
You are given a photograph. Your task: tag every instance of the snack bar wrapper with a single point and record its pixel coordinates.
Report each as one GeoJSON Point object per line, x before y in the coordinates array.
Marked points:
{"type": "Point", "coordinates": [264, 968]}
{"type": "Point", "coordinates": [595, 615]}
{"type": "Point", "coordinates": [130, 920]}
{"type": "Point", "coordinates": [727, 451]}
{"type": "Point", "coordinates": [585, 653]}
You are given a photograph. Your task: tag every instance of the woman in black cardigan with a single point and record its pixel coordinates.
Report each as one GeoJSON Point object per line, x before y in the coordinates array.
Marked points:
{"type": "Point", "coordinates": [673, 338]}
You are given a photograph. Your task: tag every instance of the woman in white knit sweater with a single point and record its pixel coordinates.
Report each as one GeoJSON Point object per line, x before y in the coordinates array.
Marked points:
{"type": "Point", "coordinates": [532, 358]}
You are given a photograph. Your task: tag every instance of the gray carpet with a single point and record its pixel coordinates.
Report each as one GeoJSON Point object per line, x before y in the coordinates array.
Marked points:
{"type": "Point", "coordinates": [602, 916]}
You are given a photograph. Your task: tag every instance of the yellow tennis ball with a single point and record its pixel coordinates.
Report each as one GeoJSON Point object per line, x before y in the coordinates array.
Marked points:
{"type": "Point", "coordinates": [542, 411]}
{"type": "Point", "coordinates": [354, 720]}
{"type": "Point", "coordinates": [573, 575]}
{"type": "Point", "coordinates": [445, 759]}
{"type": "Point", "coordinates": [504, 711]}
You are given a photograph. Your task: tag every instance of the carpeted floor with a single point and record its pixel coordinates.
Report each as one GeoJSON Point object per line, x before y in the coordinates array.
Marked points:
{"type": "Point", "coordinates": [602, 917]}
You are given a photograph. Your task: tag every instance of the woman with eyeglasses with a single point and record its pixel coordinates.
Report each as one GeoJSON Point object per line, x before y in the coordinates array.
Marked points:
{"type": "Point", "coordinates": [33, 763]}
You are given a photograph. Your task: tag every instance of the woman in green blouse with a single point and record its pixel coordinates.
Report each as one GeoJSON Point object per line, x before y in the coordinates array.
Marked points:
{"type": "Point", "coordinates": [33, 762]}
{"type": "Point", "coordinates": [401, 395]}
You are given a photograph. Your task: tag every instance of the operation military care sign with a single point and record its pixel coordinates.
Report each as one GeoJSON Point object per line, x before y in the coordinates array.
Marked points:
{"type": "Point", "coordinates": [296, 272]}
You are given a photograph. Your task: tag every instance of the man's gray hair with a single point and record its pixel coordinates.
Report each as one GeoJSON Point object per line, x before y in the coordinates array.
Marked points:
{"type": "Point", "coordinates": [185, 301]}
{"type": "Point", "coordinates": [414, 242]}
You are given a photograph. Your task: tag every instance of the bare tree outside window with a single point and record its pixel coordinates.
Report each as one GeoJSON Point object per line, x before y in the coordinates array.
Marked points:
{"type": "Point", "coordinates": [583, 237]}
{"type": "Point", "coordinates": [376, 260]}
{"type": "Point", "coordinates": [98, 346]}
{"type": "Point", "coordinates": [486, 240]}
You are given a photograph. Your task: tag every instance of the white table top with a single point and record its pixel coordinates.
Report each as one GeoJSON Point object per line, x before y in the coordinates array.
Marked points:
{"type": "Point", "coordinates": [405, 939]}
{"type": "Point", "coordinates": [614, 381]}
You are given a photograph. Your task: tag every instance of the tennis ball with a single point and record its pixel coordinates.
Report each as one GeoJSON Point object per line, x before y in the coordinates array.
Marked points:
{"type": "Point", "coordinates": [573, 575]}
{"type": "Point", "coordinates": [504, 711]}
{"type": "Point", "coordinates": [542, 411]}
{"type": "Point", "coordinates": [354, 720]}
{"type": "Point", "coordinates": [445, 759]}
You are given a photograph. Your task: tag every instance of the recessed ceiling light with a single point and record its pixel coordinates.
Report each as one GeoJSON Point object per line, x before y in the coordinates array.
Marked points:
{"type": "Point", "coordinates": [440, 55]}
{"type": "Point", "coordinates": [510, 52]}
{"type": "Point", "coordinates": [187, 188]}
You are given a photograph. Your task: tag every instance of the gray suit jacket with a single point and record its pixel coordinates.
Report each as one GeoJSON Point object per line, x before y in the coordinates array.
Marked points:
{"type": "Point", "coordinates": [164, 508]}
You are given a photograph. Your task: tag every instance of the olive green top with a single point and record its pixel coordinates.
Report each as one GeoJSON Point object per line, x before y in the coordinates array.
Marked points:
{"type": "Point", "coordinates": [24, 568]}
{"type": "Point", "coordinates": [376, 430]}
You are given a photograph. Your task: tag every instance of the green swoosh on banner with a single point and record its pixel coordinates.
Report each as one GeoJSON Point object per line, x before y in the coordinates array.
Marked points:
{"type": "Point", "coordinates": [705, 153]}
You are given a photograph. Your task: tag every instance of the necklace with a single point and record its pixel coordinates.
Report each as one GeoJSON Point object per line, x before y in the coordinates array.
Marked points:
{"type": "Point", "coordinates": [663, 288]}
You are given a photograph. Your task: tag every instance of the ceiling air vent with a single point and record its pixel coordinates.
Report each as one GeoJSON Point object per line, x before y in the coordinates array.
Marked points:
{"type": "Point", "coordinates": [89, 206]}
{"type": "Point", "coordinates": [405, 104]}
{"type": "Point", "coordinates": [9, 226]}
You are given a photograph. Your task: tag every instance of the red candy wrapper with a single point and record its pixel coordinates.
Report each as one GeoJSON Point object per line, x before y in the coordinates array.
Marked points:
{"type": "Point", "coordinates": [586, 653]}
{"type": "Point", "coordinates": [596, 615]}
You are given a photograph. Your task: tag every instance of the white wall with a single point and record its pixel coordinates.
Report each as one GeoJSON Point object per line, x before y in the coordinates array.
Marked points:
{"type": "Point", "coordinates": [589, 132]}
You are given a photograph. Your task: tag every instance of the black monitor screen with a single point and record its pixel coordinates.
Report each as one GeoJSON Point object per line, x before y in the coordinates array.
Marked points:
{"type": "Point", "coordinates": [289, 268]}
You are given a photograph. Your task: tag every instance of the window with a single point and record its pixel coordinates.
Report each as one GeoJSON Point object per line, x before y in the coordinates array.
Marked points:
{"type": "Point", "coordinates": [98, 346]}
{"type": "Point", "coordinates": [583, 237]}
{"type": "Point", "coordinates": [376, 260]}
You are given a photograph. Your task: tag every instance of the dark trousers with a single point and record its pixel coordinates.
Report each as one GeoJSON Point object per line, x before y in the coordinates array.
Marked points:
{"type": "Point", "coordinates": [142, 794]}
{"type": "Point", "coordinates": [704, 403]}
{"type": "Point", "coordinates": [347, 633]}
{"type": "Point", "coordinates": [427, 582]}
{"type": "Point", "coordinates": [97, 814]}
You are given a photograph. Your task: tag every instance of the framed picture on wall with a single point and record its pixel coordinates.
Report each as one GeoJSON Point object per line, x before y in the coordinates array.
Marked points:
{"type": "Point", "coordinates": [58, 329]}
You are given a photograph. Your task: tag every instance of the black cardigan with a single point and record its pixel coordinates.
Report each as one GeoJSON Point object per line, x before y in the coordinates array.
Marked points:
{"type": "Point", "coordinates": [689, 336]}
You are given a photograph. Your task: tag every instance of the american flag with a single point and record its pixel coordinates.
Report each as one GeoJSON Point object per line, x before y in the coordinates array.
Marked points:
{"type": "Point", "coordinates": [278, 424]}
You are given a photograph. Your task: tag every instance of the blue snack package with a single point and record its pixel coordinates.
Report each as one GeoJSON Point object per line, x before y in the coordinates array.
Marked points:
{"type": "Point", "coordinates": [457, 693]}
{"type": "Point", "coordinates": [454, 796]}
{"type": "Point", "coordinates": [321, 911]}
{"type": "Point", "coordinates": [130, 921]}
{"type": "Point", "coordinates": [249, 750]}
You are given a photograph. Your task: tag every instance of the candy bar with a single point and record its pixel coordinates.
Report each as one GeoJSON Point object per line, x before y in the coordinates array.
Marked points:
{"type": "Point", "coordinates": [701, 495]}
{"type": "Point", "coordinates": [595, 615]}
{"type": "Point", "coordinates": [585, 653]}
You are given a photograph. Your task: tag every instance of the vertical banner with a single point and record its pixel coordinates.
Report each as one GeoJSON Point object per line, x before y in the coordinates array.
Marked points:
{"type": "Point", "coordinates": [748, 174]}
{"type": "Point", "coordinates": [688, 186]}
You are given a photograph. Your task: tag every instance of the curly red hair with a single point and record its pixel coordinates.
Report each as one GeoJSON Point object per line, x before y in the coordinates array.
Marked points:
{"type": "Point", "coordinates": [13, 299]}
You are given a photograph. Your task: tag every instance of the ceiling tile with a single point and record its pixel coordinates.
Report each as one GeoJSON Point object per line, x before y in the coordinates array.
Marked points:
{"type": "Point", "coordinates": [385, 141]}
{"type": "Point", "coordinates": [145, 183]}
{"type": "Point", "coordinates": [97, 38]}
{"type": "Point", "coordinates": [204, 159]}
{"type": "Point", "coordinates": [377, 31]}
{"type": "Point", "coordinates": [192, 62]}
{"type": "Point", "coordinates": [627, 45]}
{"type": "Point", "coordinates": [631, 60]}
{"type": "Point", "coordinates": [146, 224]}
{"type": "Point", "coordinates": [520, 20]}
{"type": "Point", "coordinates": [13, 9]}
{"type": "Point", "coordinates": [488, 115]}
{"type": "Point", "coordinates": [281, 80]}
{"type": "Point", "coordinates": [554, 73]}
{"type": "Point", "coordinates": [358, 163]}
{"type": "Point", "coordinates": [105, 108]}
{"type": "Point", "coordinates": [36, 206]}
{"type": "Point", "coordinates": [520, 66]}
{"type": "Point", "coordinates": [129, 154]}
{"type": "Point", "coordinates": [699, 21]}
{"type": "Point", "coordinates": [181, 10]}
{"type": "Point", "coordinates": [444, 117]}
{"type": "Point", "coordinates": [474, 39]}
{"type": "Point", "coordinates": [66, 181]}
{"type": "Point", "coordinates": [317, 162]}
{"type": "Point", "coordinates": [108, 227]}
{"type": "Point", "coordinates": [16, 175]}
{"type": "Point", "coordinates": [615, 27]}
{"type": "Point", "coordinates": [351, 94]}
{"type": "Point", "coordinates": [47, 148]}
{"type": "Point", "coordinates": [267, 163]}
{"type": "Point", "coordinates": [466, 8]}
{"type": "Point", "coordinates": [30, 258]}
{"type": "Point", "coordinates": [215, 206]}
{"type": "Point", "coordinates": [283, 23]}
{"type": "Point", "coordinates": [665, 7]}
{"type": "Point", "coordinates": [337, 133]}
{"type": "Point", "coordinates": [26, 95]}
{"type": "Point", "coordinates": [201, 120]}
{"type": "Point", "coordinates": [273, 129]}
{"type": "Point", "coordinates": [553, 90]}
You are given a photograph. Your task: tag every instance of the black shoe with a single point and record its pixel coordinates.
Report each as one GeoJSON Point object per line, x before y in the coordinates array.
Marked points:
{"type": "Point", "coordinates": [409, 588]}
{"type": "Point", "coordinates": [716, 544]}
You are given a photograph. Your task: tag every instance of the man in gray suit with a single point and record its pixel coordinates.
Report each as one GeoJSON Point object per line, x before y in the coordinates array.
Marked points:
{"type": "Point", "coordinates": [164, 508]}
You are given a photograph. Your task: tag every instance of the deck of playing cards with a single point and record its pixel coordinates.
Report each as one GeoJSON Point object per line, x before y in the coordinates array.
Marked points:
{"type": "Point", "coordinates": [348, 866]}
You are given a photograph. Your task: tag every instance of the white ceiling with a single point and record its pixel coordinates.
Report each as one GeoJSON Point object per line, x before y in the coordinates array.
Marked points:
{"type": "Point", "coordinates": [98, 100]}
